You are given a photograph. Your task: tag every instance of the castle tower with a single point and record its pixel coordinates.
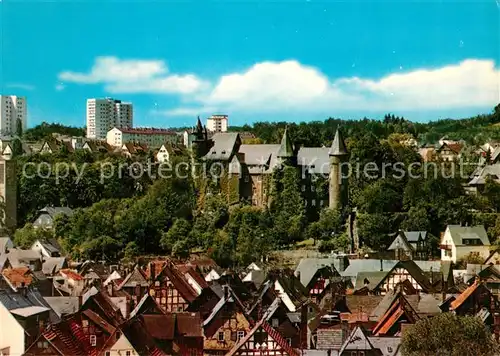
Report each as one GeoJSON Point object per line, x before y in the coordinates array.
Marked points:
{"type": "Point", "coordinates": [8, 192]}
{"type": "Point", "coordinates": [201, 143]}
{"type": "Point", "coordinates": [286, 154]}
{"type": "Point", "coordinates": [338, 182]}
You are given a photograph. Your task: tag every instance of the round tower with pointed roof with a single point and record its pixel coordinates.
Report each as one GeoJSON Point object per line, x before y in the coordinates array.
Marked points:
{"type": "Point", "coordinates": [338, 179]}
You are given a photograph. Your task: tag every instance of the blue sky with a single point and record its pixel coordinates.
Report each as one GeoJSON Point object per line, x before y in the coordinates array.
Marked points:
{"type": "Point", "coordinates": [252, 60]}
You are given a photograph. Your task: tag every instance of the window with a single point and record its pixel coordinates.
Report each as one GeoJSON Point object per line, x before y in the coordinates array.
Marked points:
{"type": "Point", "coordinates": [170, 291]}
{"type": "Point", "coordinates": [107, 353]}
{"type": "Point", "coordinates": [303, 188]}
{"type": "Point", "coordinates": [241, 335]}
{"type": "Point", "coordinates": [220, 336]}
{"type": "Point", "coordinates": [275, 323]}
{"type": "Point", "coordinates": [289, 341]}
{"type": "Point", "coordinates": [127, 353]}
{"type": "Point", "coordinates": [93, 340]}
{"type": "Point", "coordinates": [179, 309]}
{"type": "Point", "coordinates": [313, 202]}
{"type": "Point", "coordinates": [85, 323]}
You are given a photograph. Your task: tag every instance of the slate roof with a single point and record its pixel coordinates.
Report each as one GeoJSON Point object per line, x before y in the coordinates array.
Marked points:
{"type": "Point", "coordinates": [19, 258]}
{"type": "Point", "coordinates": [316, 159]}
{"type": "Point", "coordinates": [224, 145]}
{"type": "Point", "coordinates": [16, 300]}
{"type": "Point", "coordinates": [373, 278]}
{"type": "Point", "coordinates": [260, 158]}
{"type": "Point", "coordinates": [459, 233]}
{"type": "Point", "coordinates": [56, 210]}
{"type": "Point", "coordinates": [415, 271]}
{"type": "Point", "coordinates": [256, 277]}
{"type": "Point", "coordinates": [4, 241]}
{"type": "Point", "coordinates": [286, 147]}
{"type": "Point", "coordinates": [63, 305]}
{"type": "Point", "coordinates": [367, 265]}
{"type": "Point", "coordinates": [480, 175]}
{"type": "Point", "coordinates": [338, 147]}
{"type": "Point", "coordinates": [52, 265]}
{"type": "Point", "coordinates": [135, 278]}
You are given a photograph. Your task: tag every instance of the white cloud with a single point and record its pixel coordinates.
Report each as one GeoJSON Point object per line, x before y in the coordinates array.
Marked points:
{"type": "Point", "coordinates": [135, 76]}
{"type": "Point", "coordinates": [21, 86]}
{"type": "Point", "coordinates": [289, 85]}
{"type": "Point", "coordinates": [60, 87]}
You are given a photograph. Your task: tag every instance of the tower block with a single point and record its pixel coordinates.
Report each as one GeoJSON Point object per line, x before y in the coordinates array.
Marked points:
{"type": "Point", "coordinates": [338, 189]}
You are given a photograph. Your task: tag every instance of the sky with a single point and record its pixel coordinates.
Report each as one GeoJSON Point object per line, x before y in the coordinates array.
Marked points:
{"type": "Point", "coordinates": [252, 60]}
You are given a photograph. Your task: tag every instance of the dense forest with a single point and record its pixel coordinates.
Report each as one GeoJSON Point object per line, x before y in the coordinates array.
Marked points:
{"type": "Point", "coordinates": [124, 215]}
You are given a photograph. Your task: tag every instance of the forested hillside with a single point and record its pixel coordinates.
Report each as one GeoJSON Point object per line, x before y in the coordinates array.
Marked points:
{"type": "Point", "coordinates": [125, 216]}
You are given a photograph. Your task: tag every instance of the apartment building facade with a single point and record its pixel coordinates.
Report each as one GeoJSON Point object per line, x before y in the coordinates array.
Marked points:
{"type": "Point", "coordinates": [151, 137]}
{"type": "Point", "coordinates": [217, 123]}
{"type": "Point", "coordinates": [105, 114]}
{"type": "Point", "coordinates": [13, 110]}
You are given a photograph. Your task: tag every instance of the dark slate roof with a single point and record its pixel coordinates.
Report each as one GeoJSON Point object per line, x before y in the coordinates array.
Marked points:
{"type": "Point", "coordinates": [224, 145]}
{"type": "Point", "coordinates": [286, 146]}
{"type": "Point", "coordinates": [338, 145]}
{"type": "Point", "coordinates": [412, 236]}
{"type": "Point", "coordinates": [56, 210]}
{"type": "Point", "coordinates": [17, 300]}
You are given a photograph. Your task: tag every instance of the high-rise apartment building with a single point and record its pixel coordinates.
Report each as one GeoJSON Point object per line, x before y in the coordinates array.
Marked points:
{"type": "Point", "coordinates": [217, 123]}
{"type": "Point", "coordinates": [104, 114]}
{"type": "Point", "coordinates": [13, 110]}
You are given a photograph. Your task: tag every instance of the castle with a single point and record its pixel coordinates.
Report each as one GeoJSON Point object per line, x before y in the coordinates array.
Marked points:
{"type": "Point", "coordinates": [250, 167]}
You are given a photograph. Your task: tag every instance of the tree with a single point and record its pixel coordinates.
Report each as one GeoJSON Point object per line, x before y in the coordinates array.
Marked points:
{"type": "Point", "coordinates": [179, 231]}
{"type": "Point", "coordinates": [19, 128]}
{"type": "Point", "coordinates": [17, 147]}
{"type": "Point", "coordinates": [448, 334]}
{"type": "Point", "coordinates": [329, 224]}
{"type": "Point", "coordinates": [26, 236]}
{"type": "Point", "coordinates": [416, 220]}
{"type": "Point", "coordinates": [287, 209]}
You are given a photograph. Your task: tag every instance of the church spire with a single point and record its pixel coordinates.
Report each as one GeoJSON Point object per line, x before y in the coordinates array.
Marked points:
{"type": "Point", "coordinates": [338, 145]}
{"type": "Point", "coordinates": [286, 146]}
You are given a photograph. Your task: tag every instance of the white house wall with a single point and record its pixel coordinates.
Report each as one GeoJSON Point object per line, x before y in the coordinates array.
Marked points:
{"type": "Point", "coordinates": [11, 333]}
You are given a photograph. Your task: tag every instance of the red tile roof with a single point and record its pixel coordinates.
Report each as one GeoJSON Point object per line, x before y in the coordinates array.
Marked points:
{"type": "Point", "coordinates": [18, 277]}
{"type": "Point", "coordinates": [189, 324]}
{"type": "Point", "coordinates": [465, 295]}
{"type": "Point", "coordinates": [159, 326]}
{"type": "Point", "coordinates": [71, 274]}
{"type": "Point", "coordinates": [187, 269]}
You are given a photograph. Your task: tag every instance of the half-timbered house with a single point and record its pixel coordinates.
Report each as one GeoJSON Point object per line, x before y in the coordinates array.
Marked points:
{"type": "Point", "coordinates": [263, 339]}
{"type": "Point", "coordinates": [404, 272]}
{"type": "Point", "coordinates": [169, 287]}
{"type": "Point", "coordinates": [226, 324]}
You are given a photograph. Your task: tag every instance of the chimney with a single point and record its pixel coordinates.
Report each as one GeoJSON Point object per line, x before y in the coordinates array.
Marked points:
{"type": "Point", "coordinates": [381, 265]}
{"type": "Point", "coordinates": [110, 289]}
{"type": "Point", "coordinates": [80, 302]}
{"type": "Point", "coordinates": [152, 271]}
{"type": "Point", "coordinates": [226, 291]}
